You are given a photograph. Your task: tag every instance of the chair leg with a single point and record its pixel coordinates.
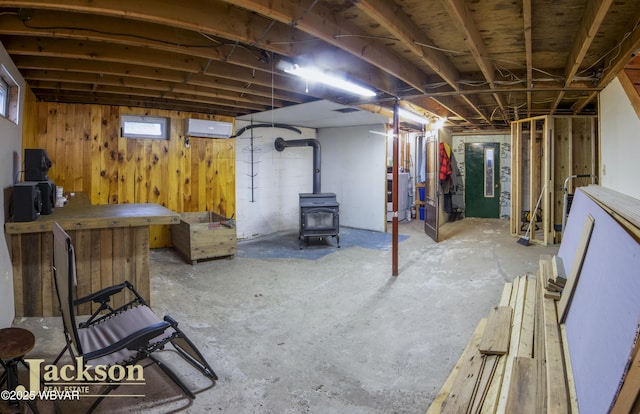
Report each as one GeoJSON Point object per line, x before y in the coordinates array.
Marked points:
{"type": "Point", "coordinates": [102, 397]}
{"type": "Point", "coordinates": [173, 376]}
{"type": "Point", "coordinates": [55, 362]}
{"type": "Point", "coordinates": [188, 350]}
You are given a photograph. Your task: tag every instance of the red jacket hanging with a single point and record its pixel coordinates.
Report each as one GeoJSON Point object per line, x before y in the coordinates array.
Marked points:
{"type": "Point", "coordinates": [445, 164]}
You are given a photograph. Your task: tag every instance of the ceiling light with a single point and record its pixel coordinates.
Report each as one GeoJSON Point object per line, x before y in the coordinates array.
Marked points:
{"type": "Point", "coordinates": [439, 124]}
{"type": "Point", "coordinates": [311, 74]}
{"type": "Point", "coordinates": [412, 116]}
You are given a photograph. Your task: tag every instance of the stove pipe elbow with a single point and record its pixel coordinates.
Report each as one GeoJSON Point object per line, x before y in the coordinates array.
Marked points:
{"type": "Point", "coordinates": [280, 144]}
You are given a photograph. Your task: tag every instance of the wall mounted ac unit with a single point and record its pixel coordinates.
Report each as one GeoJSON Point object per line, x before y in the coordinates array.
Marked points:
{"type": "Point", "coordinates": [208, 129]}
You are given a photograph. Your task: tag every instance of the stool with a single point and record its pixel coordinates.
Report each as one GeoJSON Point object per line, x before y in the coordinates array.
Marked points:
{"type": "Point", "coordinates": [15, 343]}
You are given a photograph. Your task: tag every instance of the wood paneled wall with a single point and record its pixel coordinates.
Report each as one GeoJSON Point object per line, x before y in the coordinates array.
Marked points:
{"type": "Point", "coordinates": [88, 155]}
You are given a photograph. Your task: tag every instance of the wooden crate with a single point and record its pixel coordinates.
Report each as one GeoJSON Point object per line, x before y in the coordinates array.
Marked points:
{"type": "Point", "coordinates": [204, 235]}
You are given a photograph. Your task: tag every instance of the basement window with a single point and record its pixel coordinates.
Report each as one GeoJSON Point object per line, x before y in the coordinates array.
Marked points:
{"type": "Point", "coordinates": [9, 96]}
{"type": "Point", "coordinates": [152, 127]}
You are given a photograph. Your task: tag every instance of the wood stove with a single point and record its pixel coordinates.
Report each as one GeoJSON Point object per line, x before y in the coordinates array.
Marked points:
{"type": "Point", "coordinates": [319, 212]}
{"type": "Point", "coordinates": [319, 217]}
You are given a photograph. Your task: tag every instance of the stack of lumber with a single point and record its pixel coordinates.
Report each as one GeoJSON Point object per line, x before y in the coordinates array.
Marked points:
{"type": "Point", "coordinates": [520, 357]}
{"type": "Point", "coordinates": [515, 361]}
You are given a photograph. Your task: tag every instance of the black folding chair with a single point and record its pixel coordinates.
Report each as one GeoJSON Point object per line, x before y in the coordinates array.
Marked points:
{"type": "Point", "coordinates": [122, 336]}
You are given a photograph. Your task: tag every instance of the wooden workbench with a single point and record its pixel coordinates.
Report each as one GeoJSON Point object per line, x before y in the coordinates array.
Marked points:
{"type": "Point", "coordinates": [111, 244]}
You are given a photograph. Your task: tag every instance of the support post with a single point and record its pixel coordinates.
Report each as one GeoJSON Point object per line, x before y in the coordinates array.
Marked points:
{"type": "Point", "coordinates": [394, 193]}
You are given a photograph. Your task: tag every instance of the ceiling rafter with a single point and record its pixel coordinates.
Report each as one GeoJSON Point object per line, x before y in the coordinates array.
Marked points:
{"type": "Point", "coordinates": [594, 14]}
{"type": "Point", "coordinates": [528, 47]}
{"type": "Point", "coordinates": [221, 19]}
{"type": "Point", "coordinates": [406, 31]}
{"type": "Point", "coordinates": [324, 25]}
{"type": "Point", "coordinates": [626, 49]}
{"type": "Point", "coordinates": [465, 23]}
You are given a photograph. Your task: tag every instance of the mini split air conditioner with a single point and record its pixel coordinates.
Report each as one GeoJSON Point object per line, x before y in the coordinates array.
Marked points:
{"type": "Point", "coordinates": [208, 129]}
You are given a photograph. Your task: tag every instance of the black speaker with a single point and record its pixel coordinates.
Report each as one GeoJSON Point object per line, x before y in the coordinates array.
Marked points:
{"type": "Point", "coordinates": [48, 195]}
{"type": "Point", "coordinates": [27, 202]}
{"type": "Point", "coordinates": [36, 164]}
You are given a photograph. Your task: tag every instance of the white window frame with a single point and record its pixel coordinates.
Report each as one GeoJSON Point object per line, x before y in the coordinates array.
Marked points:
{"type": "Point", "coordinates": [10, 100]}
{"type": "Point", "coordinates": [132, 126]}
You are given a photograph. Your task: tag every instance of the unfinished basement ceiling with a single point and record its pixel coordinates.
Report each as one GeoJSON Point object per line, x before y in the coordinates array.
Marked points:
{"type": "Point", "coordinates": [481, 64]}
{"type": "Point", "coordinates": [317, 114]}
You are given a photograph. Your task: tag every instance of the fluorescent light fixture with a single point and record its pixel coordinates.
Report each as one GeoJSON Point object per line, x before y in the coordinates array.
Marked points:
{"type": "Point", "coordinates": [439, 124]}
{"type": "Point", "coordinates": [412, 116]}
{"type": "Point", "coordinates": [311, 74]}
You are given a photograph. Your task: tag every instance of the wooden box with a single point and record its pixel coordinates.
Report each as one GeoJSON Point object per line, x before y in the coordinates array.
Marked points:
{"type": "Point", "coordinates": [204, 235]}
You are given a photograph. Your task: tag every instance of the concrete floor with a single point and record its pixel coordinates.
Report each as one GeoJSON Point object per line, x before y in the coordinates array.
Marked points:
{"type": "Point", "coordinates": [333, 335]}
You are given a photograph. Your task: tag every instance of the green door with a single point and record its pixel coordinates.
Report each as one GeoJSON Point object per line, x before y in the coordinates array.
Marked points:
{"type": "Point", "coordinates": [482, 180]}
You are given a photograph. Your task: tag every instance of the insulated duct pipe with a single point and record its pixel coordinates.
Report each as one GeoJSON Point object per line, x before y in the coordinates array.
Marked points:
{"type": "Point", "coordinates": [281, 144]}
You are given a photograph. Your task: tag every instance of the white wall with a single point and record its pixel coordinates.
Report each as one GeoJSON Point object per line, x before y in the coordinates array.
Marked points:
{"type": "Point", "coordinates": [619, 141]}
{"type": "Point", "coordinates": [278, 178]}
{"type": "Point", "coordinates": [10, 156]}
{"type": "Point", "coordinates": [354, 167]}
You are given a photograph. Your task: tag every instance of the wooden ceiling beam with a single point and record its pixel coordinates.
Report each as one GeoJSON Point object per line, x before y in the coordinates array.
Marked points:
{"type": "Point", "coordinates": [222, 20]}
{"type": "Point", "coordinates": [528, 48]}
{"type": "Point", "coordinates": [64, 48]}
{"type": "Point", "coordinates": [463, 20]}
{"type": "Point", "coordinates": [151, 84]}
{"type": "Point", "coordinates": [144, 72]}
{"type": "Point", "coordinates": [400, 25]}
{"type": "Point", "coordinates": [320, 22]}
{"type": "Point", "coordinates": [147, 93]}
{"type": "Point", "coordinates": [628, 47]}
{"type": "Point", "coordinates": [594, 14]}
{"type": "Point", "coordinates": [77, 97]}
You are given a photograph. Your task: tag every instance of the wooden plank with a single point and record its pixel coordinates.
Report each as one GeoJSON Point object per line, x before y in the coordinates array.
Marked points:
{"type": "Point", "coordinates": [576, 268]}
{"type": "Point", "coordinates": [106, 257]}
{"type": "Point", "coordinates": [552, 295]}
{"type": "Point", "coordinates": [32, 275]}
{"type": "Point", "coordinates": [18, 274]}
{"type": "Point", "coordinates": [557, 393]}
{"type": "Point", "coordinates": [493, 389]}
{"type": "Point", "coordinates": [558, 273]}
{"type": "Point", "coordinates": [95, 248]}
{"type": "Point", "coordinates": [515, 341]}
{"type": "Point", "coordinates": [49, 299]}
{"type": "Point", "coordinates": [571, 384]}
{"type": "Point", "coordinates": [482, 389]}
{"type": "Point", "coordinates": [525, 347]}
{"type": "Point", "coordinates": [523, 390]}
{"type": "Point", "coordinates": [630, 390]}
{"type": "Point", "coordinates": [83, 266]}
{"type": "Point", "coordinates": [495, 340]}
{"type": "Point", "coordinates": [466, 381]}
{"type": "Point", "coordinates": [620, 206]}
{"type": "Point", "coordinates": [539, 351]}
{"type": "Point", "coordinates": [506, 294]}
{"type": "Point", "coordinates": [436, 405]}
{"type": "Point", "coordinates": [141, 262]}
{"type": "Point", "coordinates": [119, 262]}
{"type": "Point", "coordinates": [544, 272]}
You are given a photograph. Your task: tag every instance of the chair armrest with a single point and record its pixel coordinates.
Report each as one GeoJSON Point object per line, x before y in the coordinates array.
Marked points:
{"type": "Point", "coordinates": [134, 342]}
{"type": "Point", "coordinates": [103, 295]}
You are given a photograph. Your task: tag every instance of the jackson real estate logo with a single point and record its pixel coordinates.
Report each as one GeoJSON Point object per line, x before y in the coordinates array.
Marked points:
{"type": "Point", "coordinates": [72, 381]}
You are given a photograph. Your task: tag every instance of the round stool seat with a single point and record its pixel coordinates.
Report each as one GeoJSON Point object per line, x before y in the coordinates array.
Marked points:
{"type": "Point", "coordinates": [15, 343]}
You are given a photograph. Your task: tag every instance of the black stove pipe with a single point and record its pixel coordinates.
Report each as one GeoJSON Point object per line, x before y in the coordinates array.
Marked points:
{"type": "Point", "coordinates": [281, 144]}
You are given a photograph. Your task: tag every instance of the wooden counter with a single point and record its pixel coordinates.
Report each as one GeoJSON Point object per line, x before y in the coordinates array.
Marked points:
{"type": "Point", "coordinates": [111, 244]}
